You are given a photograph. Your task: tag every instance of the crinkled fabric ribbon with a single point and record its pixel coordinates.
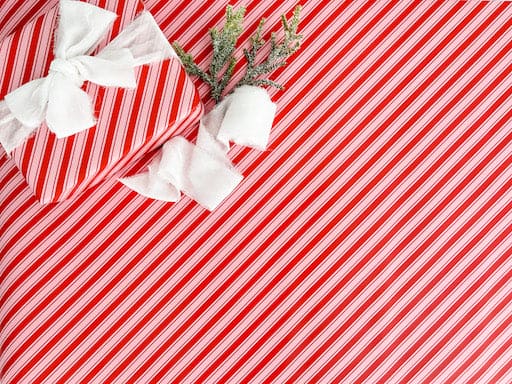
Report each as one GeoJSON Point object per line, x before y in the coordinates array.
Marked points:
{"type": "Point", "coordinates": [203, 171]}
{"type": "Point", "coordinates": [58, 98]}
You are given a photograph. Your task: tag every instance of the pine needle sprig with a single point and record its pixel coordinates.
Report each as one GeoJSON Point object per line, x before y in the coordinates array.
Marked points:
{"type": "Point", "coordinates": [224, 43]}
{"type": "Point", "coordinates": [279, 52]}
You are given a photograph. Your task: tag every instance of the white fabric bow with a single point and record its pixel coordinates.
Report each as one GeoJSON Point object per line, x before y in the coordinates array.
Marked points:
{"type": "Point", "coordinates": [58, 98]}
{"type": "Point", "coordinates": [203, 171]}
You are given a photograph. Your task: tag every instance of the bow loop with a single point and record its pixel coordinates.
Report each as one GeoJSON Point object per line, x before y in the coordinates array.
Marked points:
{"type": "Point", "coordinates": [66, 96]}
{"type": "Point", "coordinates": [81, 27]}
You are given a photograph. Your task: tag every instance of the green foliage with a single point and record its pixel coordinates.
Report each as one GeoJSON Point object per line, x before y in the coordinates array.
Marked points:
{"type": "Point", "coordinates": [224, 42]}
{"type": "Point", "coordinates": [279, 52]}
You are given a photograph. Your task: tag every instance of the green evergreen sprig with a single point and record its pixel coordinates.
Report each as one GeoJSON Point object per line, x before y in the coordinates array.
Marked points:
{"type": "Point", "coordinates": [224, 42]}
{"type": "Point", "coordinates": [279, 52]}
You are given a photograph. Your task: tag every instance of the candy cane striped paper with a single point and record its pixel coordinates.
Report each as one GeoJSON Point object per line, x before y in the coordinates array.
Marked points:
{"type": "Point", "coordinates": [370, 244]}
{"type": "Point", "coordinates": [129, 121]}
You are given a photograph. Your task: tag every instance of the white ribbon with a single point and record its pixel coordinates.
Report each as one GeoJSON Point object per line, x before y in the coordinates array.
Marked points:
{"type": "Point", "coordinates": [203, 171]}
{"type": "Point", "coordinates": [58, 98]}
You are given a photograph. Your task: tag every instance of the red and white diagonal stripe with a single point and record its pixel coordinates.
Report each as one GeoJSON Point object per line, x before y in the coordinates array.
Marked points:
{"type": "Point", "coordinates": [370, 244]}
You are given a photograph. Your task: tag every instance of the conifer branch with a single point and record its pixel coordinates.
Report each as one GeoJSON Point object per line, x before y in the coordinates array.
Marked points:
{"type": "Point", "coordinates": [279, 52]}
{"type": "Point", "coordinates": [223, 62]}
{"type": "Point", "coordinates": [224, 42]}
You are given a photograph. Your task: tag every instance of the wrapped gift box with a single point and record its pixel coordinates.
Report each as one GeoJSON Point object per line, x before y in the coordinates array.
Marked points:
{"type": "Point", "coordinates": [130, 122]}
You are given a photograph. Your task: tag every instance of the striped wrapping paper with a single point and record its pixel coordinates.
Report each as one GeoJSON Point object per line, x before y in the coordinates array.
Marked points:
{"type": "Point", "coordinates": [130, 121]}
{"type": "Point", "coordinates": [370, 244]}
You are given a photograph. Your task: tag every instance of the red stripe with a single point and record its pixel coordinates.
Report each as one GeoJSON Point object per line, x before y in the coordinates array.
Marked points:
{"type": "Point", "coordinates": [64, 166]}
{"type": "Point", "coordinates": [29, 144]}
{"type": "Point", "coordinates": [135, 115]}
{"type": "Point", "coordinates": [6, 81]}
{"type": "Point", "coordinates": [31, 14]}
{"type": "Point", "coordinates": [87, 152]}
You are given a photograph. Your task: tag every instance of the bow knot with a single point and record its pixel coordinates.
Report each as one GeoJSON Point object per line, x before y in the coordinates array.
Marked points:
{"type": "Point", "coordinates": [69, 68]}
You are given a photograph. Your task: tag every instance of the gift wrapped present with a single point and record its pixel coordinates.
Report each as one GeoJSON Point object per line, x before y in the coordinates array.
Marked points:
{"type": "Point", "coordinates": [86, 88]}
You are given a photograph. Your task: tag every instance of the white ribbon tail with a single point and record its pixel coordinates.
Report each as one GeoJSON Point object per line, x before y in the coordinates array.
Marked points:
{"type": "Point", "coordinates": [145, 40]}
{"type": "Point", "coordinates": [188, 168]}
{"type": "Point", "coordinates": [203, 171]}
{"type": "Point", "coordinates": [249, 118]}
{"type": "Point", "coordinates": [27, 104]}
{"type": "Point", "coordinates": [151, 185]}
{"type": "Point", "coordinates": [12, 133]}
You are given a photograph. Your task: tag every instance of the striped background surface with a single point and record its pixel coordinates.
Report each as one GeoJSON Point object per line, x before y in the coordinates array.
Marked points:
{"type": "Point", "coordinates": [130, 121]}
{"type": "Point", "coordinates": [371, 244]}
